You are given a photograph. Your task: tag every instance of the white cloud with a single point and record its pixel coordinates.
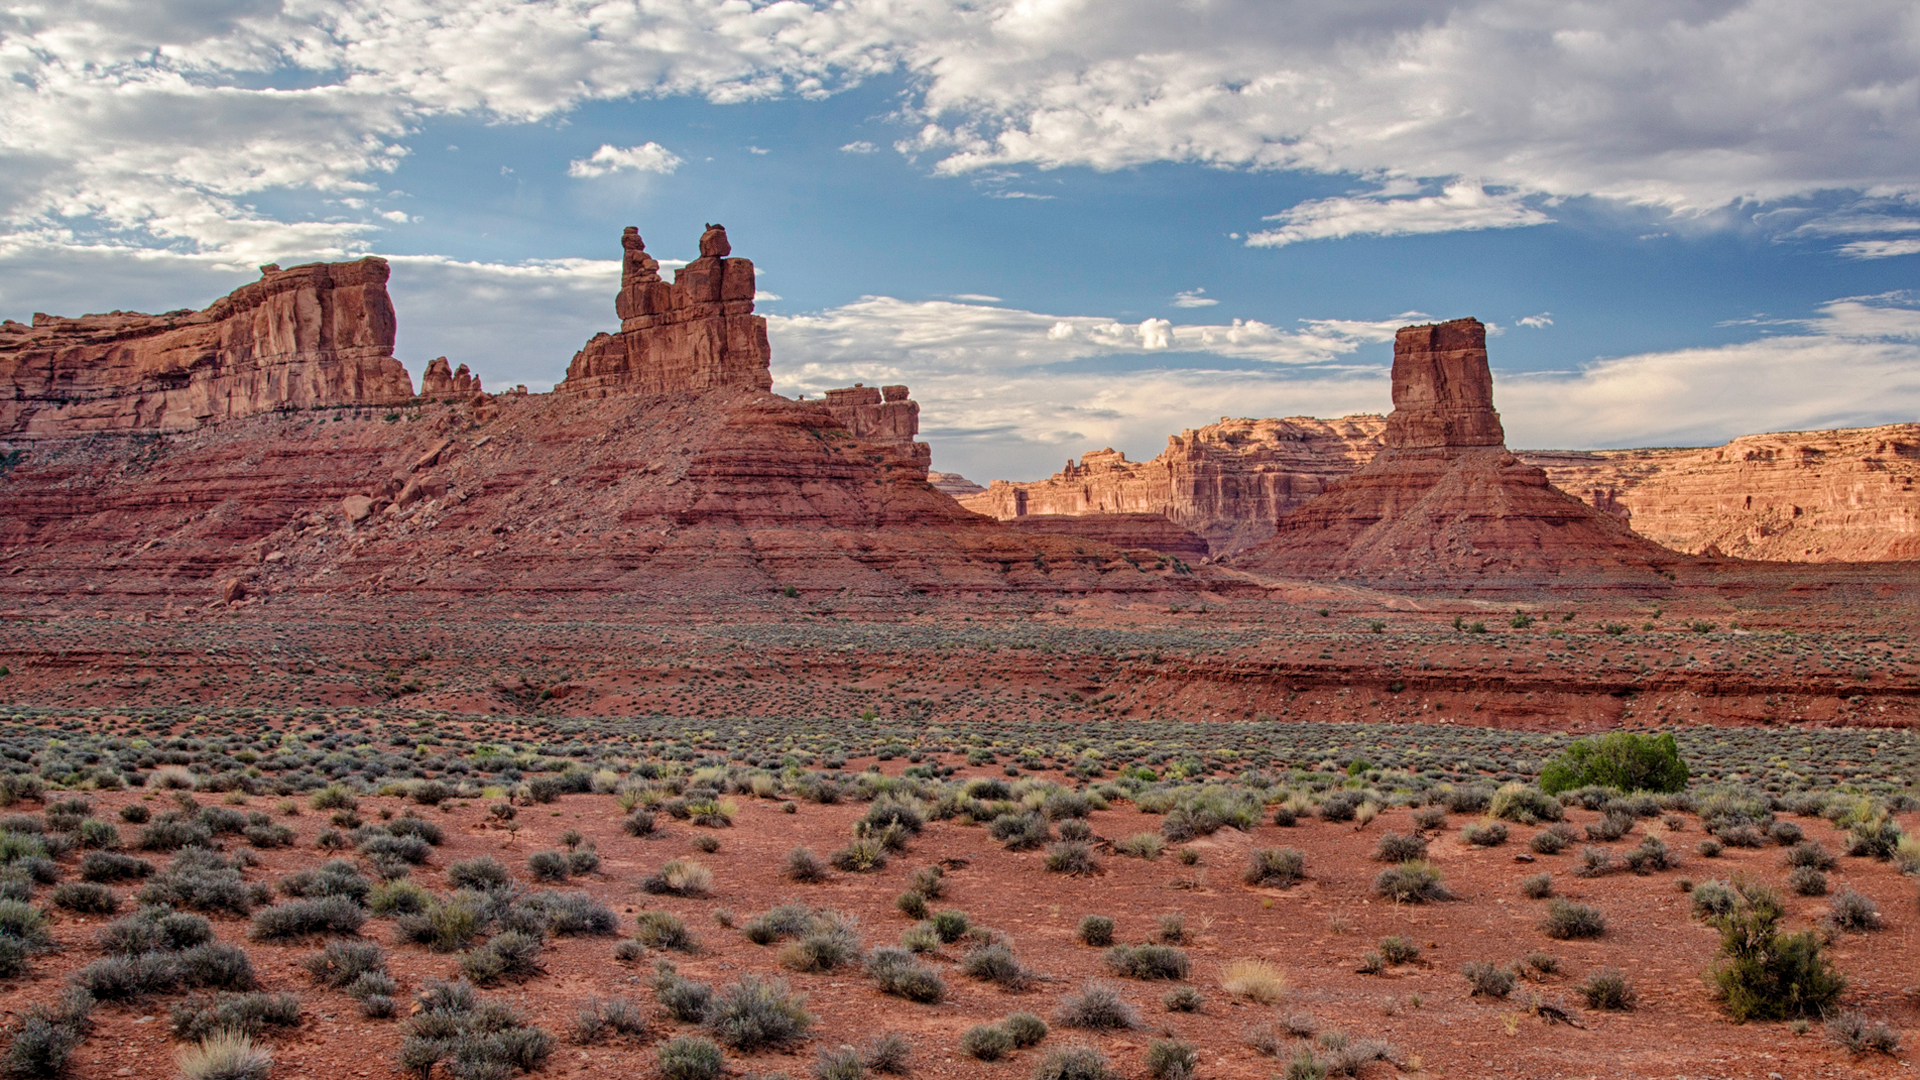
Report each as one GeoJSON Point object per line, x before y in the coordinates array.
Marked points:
{"type": "Point", "coordinates": [1192, 298]}
{"type": "Point", "coordinates": [1460, 207]}
{"type": "Point", "coordinates": [648, 157]}
{"type": "Point", "coordinates": [1536, 322]}
{"type": "Point", "coordinates": [1880, 249]}
{"type": "Point", "coordinates": [859, 146]}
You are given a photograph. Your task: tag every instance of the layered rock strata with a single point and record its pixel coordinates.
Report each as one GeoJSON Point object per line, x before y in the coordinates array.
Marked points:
{"type": "Point", "coordinates": [1228, 481]}
{"type": "Point", "coordinates": [882, 415]}
{"type": "Point", "coordinates": [1801, 496]}
{"type": "Point", "coordinates": [1444, 504]}
{"type": "Point", "coordinates": [953, 484]}
{"type": "Point", "coordinates": [1132, 532]}
{"type": "Point", "coordinates": [697, 334]}
{"type": "Point", "coordinates": [318, 334]}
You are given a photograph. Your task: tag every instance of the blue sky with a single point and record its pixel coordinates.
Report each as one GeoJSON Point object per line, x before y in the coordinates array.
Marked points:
{"type": "Point", "coordinates": [1066, 224]}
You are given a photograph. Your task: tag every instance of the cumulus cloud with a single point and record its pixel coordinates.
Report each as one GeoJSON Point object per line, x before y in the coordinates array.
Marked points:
{"type": "Point", "coordinates": [648, 157]}
{"type": "Point", "coordinates": [1536, 322]}
{"type": "Point", "coordinates": [1460, 207]}
{"type": "Point", "coordinates": [1193, 298]}
{"type": "Point", "coordinates": [156, 120]}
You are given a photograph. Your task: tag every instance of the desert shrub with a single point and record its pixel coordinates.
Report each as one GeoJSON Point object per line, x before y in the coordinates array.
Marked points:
{"type": "Point", "coordinates": [898, 972]}
{"type": "Point", "coordinates": [548, 866]}
{"type": "Point", "coordinates": [1548, 842]}
{"type": "Point", "coordinates": [865, 855]}
{"type": "Point", "coordinates": [803, 865]}
{"type": "Point", "coordinates": [1537, 886]}
{"type": "Point", "coordinates": [1810, 854]}
{"type": "Point", "coordinates": [409, 825]}
{"type": "Point", "coordinates": [994, 962]}
{"type": "Point", "coordinates": [199, 880]}
{"type": "Point", "coordinates": [1708, 848]}
{"type": "Point", "coordinates": [1144, 845]}
{"type": "Point", "coordinates": [333, 797]}
{"type": "Point", "coordinates": [618, 1015]}
{"type": "Point", "coordinates": [214, 966]}
{"type": "Point", "coordinates": [951, 924]}
{"type": "Point", "coordinates": [341, 962]}
{"type": "Point", "coordinates": [911, 904]}
{"type": "Point", "coordinates": [1073, 1063]}
{"type": "Point", "coordinates": [1171, 928]}
{"type": "Point", "coordinates": [1652, 854]}
{"type": "Point", "coordinates": [686, 1000]}
{"type": "Point", "coordinates": [1609, 989]}
{"type": "Point", "coordinates": [562, 914]}
{"type": "Point", "coordinates": [1611, 826]}
{"type": "Point", "coordinates": [1096, 930]}
{"type": "Point", "coordinates": [1861, 1035]}
{"type": "Point", "coordinates": [1712, 899]}
{"type": "Point", "coordinates": [1484, 834]}
{"type": "Point", "coordinates": [1524, 805]}
{"type": "Point", "coordinates": [1279, 867]}
{"type": "Point", "coordinates": [1852, 912]}
{"type": "Point", "coordinates": [1594, 862]}
{"type": "Point", "coordinates": [45, 1037]}
{"type": "Point", "coordinates": [1097, 1007]}
{"type": "Point", "coordinates": [1806, 881]}
{"type": "Point", "coordinates": [336, 877]}
{"type": "Point", "coordinates": [1413, 882]}
{"type": "Point", "coordinates": [689, 1057]}
{"type": "Point", "coordinates": [509, 954]}
{"type": "Point", "coordinates": [1740, 836]}
{"type": "Point", "coordinates": [1072, 857]}
{"type": "Point", "coordinates": [1394, 847]}
{"type": "Point", "coordinates": [1148, 961]}
{"type": "Point", "coordinates": [1619, 759]}
{"type": "Point", "coordinates": [85, 898]}
{"type": "Point", "coordinates": [445, 925]}
{"type": "Point", "coordinates": [639, 823]}
{"type": "Point", "coordinates": [829, 942]}
{"type": "Point", "coordinates": [928, 881]}
{"type": "Point", "coordinates": [1396, 949]}
{"type": "Point", "coordinates": [128, 978]}
{"type": "Point", "coordinates": [1488, 980]}
{"type": "Point", "coordinates": [172, 834]}
{"type": "Point", "coordinates": [154, 929]}
{"type": "Point", "coordinates": [482, 874]}
{"type": "Point", "coordinates": [839, 1063]}
{"type": "Point", "coordinates": [1566, 920]}
{"type": "Point", "coordinates": [251, 1014]}
{"type": "Point", "coordinates": [1020, 832]}
{"type": "Point", "coordinates": [1339, 806]}
{"type": "Point", "coordinates": [754, 1013]}
{"type": "Point", "coordinates": [664, 930]}
{"type": "Point", "coordinates": [225, 1055]}
{"type": "Point", "coordinates": [407, 849]}
{"type": "Point", "coordinates": [1763, 974]}
{"type": "Point", "coordinates": [1171, 1059]}
{"type": "Point", "coordinates": [777, 923]}
{"type": "Point", "coordinates": [679, 877]}
{"type": "Point", "coordinates": [1877, 839]}
{"type": "Point", "coordinates": [1255, 980]}
{"type": "Point", "coordinates": [301, 918]}
{"type": "Point", "coordinates": [987, 1042]}
{"type": "Point", "coordinates": [1026, 1029]}
{"type": "Point", "coordinates": [400, 897]}
{"type": "Point", "coordinates": [112, 866]}
{"type": "Point", "coordinates": [1785, 833]}
{"type": "Point", "coordinates": [481, 1038]}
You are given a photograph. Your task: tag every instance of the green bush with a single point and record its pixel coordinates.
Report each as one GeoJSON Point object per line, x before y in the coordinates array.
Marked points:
{"type": "Point", "coordinates": [987, 1042]}
{"type": "Point", "coordinates": [1619, 759]}
{"type": "Point", "coordinates": [1096, 930]}
{"type": "Point", "coordinates": [755, 1013]}
{"type": "Point", "coordinates": [1763, 974]}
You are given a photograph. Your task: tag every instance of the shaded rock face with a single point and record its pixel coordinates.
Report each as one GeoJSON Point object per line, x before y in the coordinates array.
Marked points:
{"type": "Point", "coordinates": [882, 415]}
{"type": "Point", "coordinates": [1227, 482]}
{"type": "Point", "coordinates": [953, 484]}
{"type": "Point", "coordinates": [1132, 532]}
{"type": "Point", "coordinates": [1804, 496]}
{"type": "Point", "coordinates": [319, 334]}
{"type": "Point", "coordinates": [697, 334]}
{"type": "Point", "coordinates": [1444, 505]}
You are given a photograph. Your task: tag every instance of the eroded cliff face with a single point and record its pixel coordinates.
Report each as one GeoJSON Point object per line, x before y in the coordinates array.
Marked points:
{"type": "Point", "coordinates": [1227, 482]}
{"type": "Point", "coordinates": [319, 334]}
{"type": "Point", "coordinates": [1802, 496]}
{"type": "Point", "coordinates": [1444, 505]}
{"type": "Point", "coordinates": [697, 334]}
{"type": "Point", "coordinates": [881, 414]}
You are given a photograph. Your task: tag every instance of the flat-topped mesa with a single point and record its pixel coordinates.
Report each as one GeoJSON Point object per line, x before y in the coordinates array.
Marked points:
{"type": "Point", "coordinates": [881, 414]}
{"type": "Point", "coordinates": [318, 334]}
{"type": "Point", "coordinates": [440, 382]}
{"type": "Point", "coordinates": [695, 335]}
{"type": "Point", "coordinates": [1442, 388]}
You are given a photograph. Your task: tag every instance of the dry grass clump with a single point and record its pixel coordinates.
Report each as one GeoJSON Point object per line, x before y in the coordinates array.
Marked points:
{"type": "Point", "coordinates": [1255, 980]}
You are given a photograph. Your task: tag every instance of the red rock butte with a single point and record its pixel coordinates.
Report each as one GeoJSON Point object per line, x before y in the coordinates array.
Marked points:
{"type": "Point", "coordinates": [318, 334]}
{"type": "Point", "coordinates": [1443, 505]}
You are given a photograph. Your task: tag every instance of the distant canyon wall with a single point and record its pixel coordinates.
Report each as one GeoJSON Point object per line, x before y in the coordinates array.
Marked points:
{"type": "Point", "coordinates": [319, 334]}
{"type": "Point", "coordinates": [1813, 496]}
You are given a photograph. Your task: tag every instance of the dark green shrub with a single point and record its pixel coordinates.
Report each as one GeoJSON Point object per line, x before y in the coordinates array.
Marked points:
{"type": "Point", "coordinates": [215, 966]}
{"type": "Point", "coordinates": [1396, 949]}
{"type": "Point", "coordinates": [1072, 857]}
{"type": "Point", "coordinates": [1763, 974]}
{"type": "Point", "coordinates": [1609, 989]}
{"type": "Point", "coordinates": [987, 1042]}
{"type": "Point", "coordinates": [484, 874]}
{"type": "Point", "coordinates": [301, 918]}
{"type": "Point", "coordinates": [1096, 930]}
{"type": "Point", "coordinates": [1537, 886]}
{"type": "Point", "coordinates": [686, 1000]}
{"type": "Point", "coordinates": [85, 898]}
{"type": "Point", "coordinates": [804, 866]}
{"type": "Point", "coordinates": [1097, 1007]}
{"type": "Point", "coordinates": [341, 962]}
{"type": "Point", "coordinates": [689, 1057]}
{"type": "Point", "coordinates": [1276, 867]}
{"type": "Point", "coordinates": [1414, 882]}
{"type": "Point", "coordinates": [1026, 1029]}
{"type": "Point", "coordinates": [1852, 912]}
{"type": "Point", "coordinates": [1396, 848]}
{"type": "Point", "coordinates": [1147, 961]}
{"type": "Point", "coordinates": [1484, 834]}
{"type": "Point", "coordinates": [1566, 920]}
{"type": "Point", "coordinates": [112, 866]}
{"type": "Point", "coordinates": [755, 1013]}
{"type": "Point", "coordinates": [509, 954]}
{"type": "Point", "coordinates": [1020, 832]}
{"type": "Point", "coordinates": [1073, 1063]}
{"type": "Point", "coordinates": [996, 963]}
{"type": "Point", "coordinates": [128, 978]}
{"type": "Point", "coordinates": [1488, 980]}
{"type": "Point", "coordinates": [252, 1014]}
{"type": "Point", "coordinates": [1618, 759]}
{"type": "Point", "coordinates": [154, 929]}
{"type": "Point", "coordinates": [898, 972]}
{"type": "Point", "coordinates": [1171, 1059]}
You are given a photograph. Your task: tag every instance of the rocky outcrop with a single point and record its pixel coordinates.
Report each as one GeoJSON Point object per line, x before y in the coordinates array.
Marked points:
{"type": "Point", "coordinates": [953, 484]}
{"type": "Point", "coordinates": [1444, 505]}
{"type": "Point", "coordinates": [1130, 532]}
{"type": "Point", "coordinates": [1228, 481]}
{"type": "Point", "coordinates": [319, 334]}
{"type": "Point", "coordinates": [439, 382]}
{"type": "Point", "coordinates": [883, 415]}
{"type": "Point", "coordinates": [697, 334]}
{"type": "Point", "coordinates": [1802, 496]}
